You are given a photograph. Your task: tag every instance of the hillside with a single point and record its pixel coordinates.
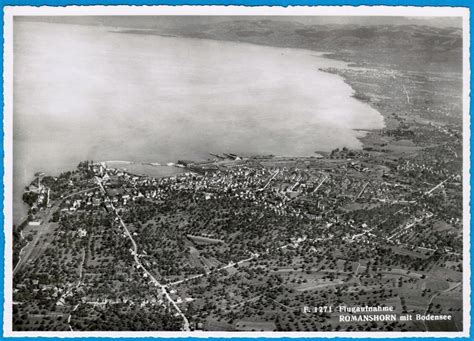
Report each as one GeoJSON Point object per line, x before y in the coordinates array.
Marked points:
{"type": "Point", "coordinates": [407, 47]}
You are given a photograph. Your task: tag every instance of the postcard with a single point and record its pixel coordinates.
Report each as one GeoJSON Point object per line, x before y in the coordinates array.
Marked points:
{"type": "Point", "coordinates": [233, 171]}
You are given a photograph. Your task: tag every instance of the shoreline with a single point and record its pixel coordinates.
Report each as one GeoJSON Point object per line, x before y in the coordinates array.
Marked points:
{"type": "Point", "coordinates": [371, 138]}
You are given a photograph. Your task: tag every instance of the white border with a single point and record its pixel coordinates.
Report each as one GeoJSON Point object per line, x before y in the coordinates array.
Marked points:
{"type": "Point", "coordinates": [10, 12]}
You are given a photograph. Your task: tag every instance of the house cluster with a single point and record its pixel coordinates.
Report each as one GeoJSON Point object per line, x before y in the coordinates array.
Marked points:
{"type": "Point", "coordinates": [82, 201]}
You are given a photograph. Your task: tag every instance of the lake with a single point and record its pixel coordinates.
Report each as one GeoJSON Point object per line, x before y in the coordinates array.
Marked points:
{"type": "Point", "coordinates": [85, 92]}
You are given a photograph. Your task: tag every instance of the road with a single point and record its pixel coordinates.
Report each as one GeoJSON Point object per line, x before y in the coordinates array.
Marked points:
{"type": "Point", "coordinates": [401, 230]}
{"type": "Point", "coordinates": [230, 265]}
{"type": "Point", "coordinates": [19, 257]}
{"type": "Point", "coordinates": [269, 180]}
{"type": "Point", "coordinates": [320, 184]}
{"type": "Point", "coordinates": [81, 267]}
{"type": "Point", "coordinates": [70, 316]}
{"type": "Point", "coordinates": [435, 187]}
{"type": "Point", "coordinates": [362, 191]}
{"type": "Point", "coordinates": [162, 287]}
{"type": "Point", "coordinates": [395, 201]}
{"type": "Point", "coordinates": [357, 270]}
{"type": "Point", "coordinates": [79, 192]}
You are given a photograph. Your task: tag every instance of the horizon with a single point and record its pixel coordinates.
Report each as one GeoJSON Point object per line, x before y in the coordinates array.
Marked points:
{"type": "Point", "coordinates": [177, 21]}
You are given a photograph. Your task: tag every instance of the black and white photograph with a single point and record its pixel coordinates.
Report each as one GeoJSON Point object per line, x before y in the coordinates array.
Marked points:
{"type": "Point", "coordinates": [236, 171]}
